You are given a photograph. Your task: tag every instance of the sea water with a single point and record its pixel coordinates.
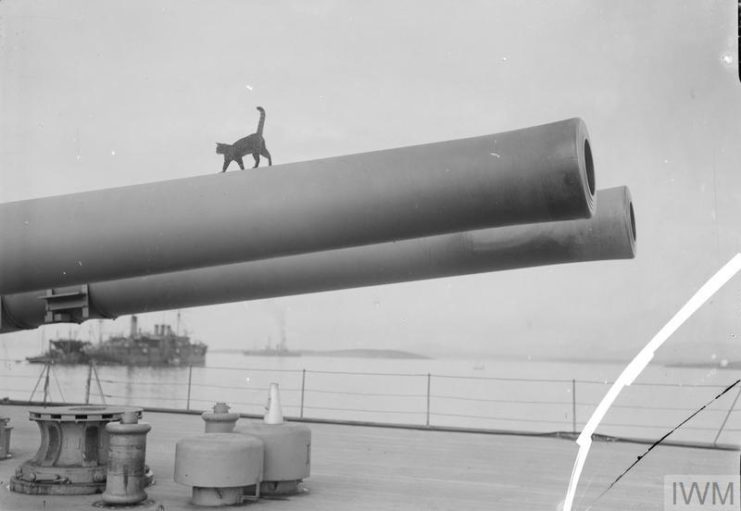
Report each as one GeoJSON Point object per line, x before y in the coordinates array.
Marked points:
{"type": "Point", "coordinates": [491, 394]}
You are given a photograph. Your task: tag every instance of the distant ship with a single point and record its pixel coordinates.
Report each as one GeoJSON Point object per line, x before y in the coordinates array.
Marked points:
{"type": "Point", "coordinates": [63, 351]}
{"type": "Point", "coordinates": [163, 347]}
{"type": "Point", "coordinates": [281, 350]}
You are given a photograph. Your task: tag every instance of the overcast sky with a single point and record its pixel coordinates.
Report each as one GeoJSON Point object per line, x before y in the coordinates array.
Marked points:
{"type": "Point", "coordinates": [104, 94]}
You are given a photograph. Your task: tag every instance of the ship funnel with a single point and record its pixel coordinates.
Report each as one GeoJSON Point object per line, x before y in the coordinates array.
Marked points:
{"type": "Point", "coordinates": [274, 414]}
{"type": "Point", "coordinates": [133, 326]}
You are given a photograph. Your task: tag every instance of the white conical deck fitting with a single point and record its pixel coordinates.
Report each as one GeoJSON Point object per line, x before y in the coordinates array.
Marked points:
{"type": "Point", "coordinates": [274, 413]}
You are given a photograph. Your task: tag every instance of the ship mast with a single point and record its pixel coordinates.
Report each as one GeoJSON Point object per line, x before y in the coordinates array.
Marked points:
{"type": "Point", "coordinates": [282, 344]}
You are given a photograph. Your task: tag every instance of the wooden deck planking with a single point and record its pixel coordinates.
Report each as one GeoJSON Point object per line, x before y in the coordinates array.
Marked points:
{"type": "Point", "coordinates": [370, 468]}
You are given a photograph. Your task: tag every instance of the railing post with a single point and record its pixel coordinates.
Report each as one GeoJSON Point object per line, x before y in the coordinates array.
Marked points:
{"type": "Point", "coordinates": [725, 419]}
{"type": "Point", "coordinates": [303, 388]}
{"type": "Point", "coordinates": [97, 380]}
{"type": "Point", "coordinates": [87, 383]}
{"type": "Point", "coordinates": [429, 384]}
{"type": "Point", "coordinates": [573, 405]}
{"type": "Point", "coordinates": [190, 380]}
{"type": "Point", "coordinates": [46, 383]}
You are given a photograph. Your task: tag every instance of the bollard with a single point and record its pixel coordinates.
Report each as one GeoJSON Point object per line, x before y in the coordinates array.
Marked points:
{"type": "Point", "coordinates": [126, 452]}
{"type": "Point", "coordinates": [220, 420]}
{"type": "Point", "coordinates": [5, 438]}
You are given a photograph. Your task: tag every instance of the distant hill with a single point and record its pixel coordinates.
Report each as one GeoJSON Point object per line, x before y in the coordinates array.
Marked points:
{"type": "Point", "coordinates": [701, 365]}
{"type": "Point", "coordinates": [721, 354]}
{"type": "Point", "coordinates": [348, 353]}
{"type": "Point", "coordinates": [363, 353]}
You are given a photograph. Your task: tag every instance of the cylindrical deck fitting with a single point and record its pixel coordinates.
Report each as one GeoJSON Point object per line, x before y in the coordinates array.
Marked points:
{"type": "Point", "coordinates": [5, 438]}
{"type": "Point", "coordinates": [216, 497]}
{"type": "Point", "coordinates": [218, 466]}
{"type": "Point", "coordinates": [220, 420]}
{"type": "Point", "coordinates": [538, 174]}
{"type": "Point", "coordinates": [126, 456]}
{"type": "Point", "coordinates": [287, 454]}
{"type": "Point", "coordinates": [609, 234]}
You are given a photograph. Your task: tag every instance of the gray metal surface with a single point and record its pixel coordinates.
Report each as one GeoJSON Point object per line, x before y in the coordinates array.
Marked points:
{"type": "Point", "coordinates": [609, 234]}
{"type": "Point", "coordinates": [73, 454]}
{"type": "Point", "coordinates": [367, 468]}
{"type": "Point", "coordinates": [543, 173]}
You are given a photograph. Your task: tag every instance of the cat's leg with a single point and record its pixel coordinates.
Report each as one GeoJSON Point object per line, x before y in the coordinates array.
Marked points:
{"type": "Point", "coordinates": [266, 154]}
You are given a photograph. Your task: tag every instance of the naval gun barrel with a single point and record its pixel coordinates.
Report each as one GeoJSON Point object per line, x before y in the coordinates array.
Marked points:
{"type": "Point", "coordinates": [609, 234]}
{"type": "Point", "coordinates": [537, 174]}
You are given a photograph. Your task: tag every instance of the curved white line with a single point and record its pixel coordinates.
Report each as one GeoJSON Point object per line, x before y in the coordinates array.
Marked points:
{"type": "Point", "coordinates": [639, 363]}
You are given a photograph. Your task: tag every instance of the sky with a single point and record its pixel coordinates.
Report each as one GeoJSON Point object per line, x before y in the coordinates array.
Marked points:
{"type": "Point", "coordinates": [97, 95]}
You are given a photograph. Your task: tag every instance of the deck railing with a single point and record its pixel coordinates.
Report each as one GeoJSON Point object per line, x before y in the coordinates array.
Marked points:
{"type": "Point", "coordinates": [486, 403]}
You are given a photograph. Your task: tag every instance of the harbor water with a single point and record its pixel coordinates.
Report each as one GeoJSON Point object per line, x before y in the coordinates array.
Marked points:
{"type": "Point", "coordinates": [489, 394]}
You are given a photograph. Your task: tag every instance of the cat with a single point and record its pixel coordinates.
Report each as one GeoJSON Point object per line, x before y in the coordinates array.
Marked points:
{"type": "Point", "coordinates": [251, 144]}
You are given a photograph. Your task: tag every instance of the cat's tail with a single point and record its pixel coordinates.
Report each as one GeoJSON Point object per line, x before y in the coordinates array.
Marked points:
{"type": "Point", "coordinates": [222, 148]}
{"type": "Point", "coordinates": [261, 122]}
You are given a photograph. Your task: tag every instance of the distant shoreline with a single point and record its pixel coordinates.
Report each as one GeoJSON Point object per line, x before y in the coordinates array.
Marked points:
{"type": "Point", "coordinates": [704, 365]}
{"type": "Point", "coordinates": [364, 353]}
{"type": "Point", "coordinates": [401, 354]}
{"type": "Point", "coordinates": [343, 353]}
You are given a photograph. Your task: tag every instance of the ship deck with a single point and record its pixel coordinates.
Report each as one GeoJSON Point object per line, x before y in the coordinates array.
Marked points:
{"type": "Point", "coordinates": [372, 468]}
